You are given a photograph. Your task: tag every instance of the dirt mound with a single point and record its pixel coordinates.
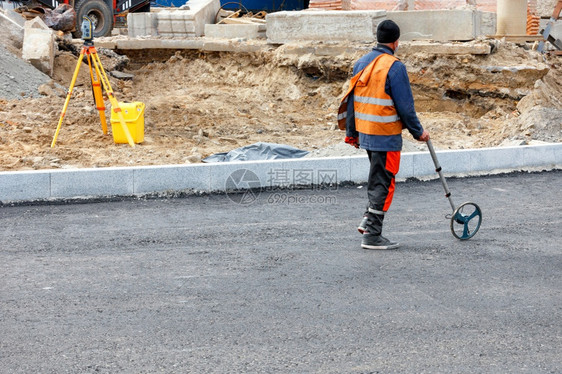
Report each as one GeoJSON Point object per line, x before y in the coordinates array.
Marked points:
{"type": "Point", "coordinates": [198, 104]}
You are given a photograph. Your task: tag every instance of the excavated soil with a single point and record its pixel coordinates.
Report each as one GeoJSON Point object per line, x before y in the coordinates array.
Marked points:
{"type": "Point", "coordinates": [198, 104]}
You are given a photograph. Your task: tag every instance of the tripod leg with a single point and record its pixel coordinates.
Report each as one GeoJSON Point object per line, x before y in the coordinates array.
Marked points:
{"type": "Point", "coordinates": [98, 96]}
{"type": "Point", "coordinates": [68, 95]}
{"type": "Point", "coordinates": [114, 104]}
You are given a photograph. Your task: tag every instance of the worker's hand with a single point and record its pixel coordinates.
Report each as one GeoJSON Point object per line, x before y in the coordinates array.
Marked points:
{"type": "Point", "coordinates": [424, 136]}
{"type": "Point", "coordinates": [352, 140]}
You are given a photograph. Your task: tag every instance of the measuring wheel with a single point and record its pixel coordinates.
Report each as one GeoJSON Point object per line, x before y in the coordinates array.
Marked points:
{"type": "Point", "coordinates": [466, 220]}
{"type": "Point", "coordinates": [467, 217]}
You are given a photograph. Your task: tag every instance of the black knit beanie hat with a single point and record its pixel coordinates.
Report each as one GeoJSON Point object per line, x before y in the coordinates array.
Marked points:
{"type": "Point", "coordinates": [388, 32]}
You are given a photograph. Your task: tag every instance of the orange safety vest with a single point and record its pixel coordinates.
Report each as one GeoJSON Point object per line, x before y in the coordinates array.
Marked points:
{"type": "Point", "coordinates": [375, 113]}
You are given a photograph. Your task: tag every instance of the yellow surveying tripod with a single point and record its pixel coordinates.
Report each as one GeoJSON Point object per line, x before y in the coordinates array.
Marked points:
{"type": "Point", "coordinates": [89, 50]}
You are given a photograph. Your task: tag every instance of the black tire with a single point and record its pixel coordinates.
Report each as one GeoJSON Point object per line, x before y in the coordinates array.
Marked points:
{"type": "Point", "coordinates": [99, 12]}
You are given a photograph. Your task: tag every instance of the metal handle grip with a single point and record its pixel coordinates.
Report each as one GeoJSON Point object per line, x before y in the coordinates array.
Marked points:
{"type": "Point", "coordinates": [439, 171]}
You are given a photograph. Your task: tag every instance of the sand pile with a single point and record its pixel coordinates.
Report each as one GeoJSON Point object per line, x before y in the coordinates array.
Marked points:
{"type": "Point", "coordinates": [198, 104]}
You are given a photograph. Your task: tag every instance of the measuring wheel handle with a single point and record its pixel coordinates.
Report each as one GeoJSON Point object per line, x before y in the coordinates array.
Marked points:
{"type": "Point", "coordinates": [466, 220]}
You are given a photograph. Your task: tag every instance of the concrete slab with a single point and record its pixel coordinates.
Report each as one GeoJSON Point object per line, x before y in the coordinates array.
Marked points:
{"type": "Point", "coordinates": [359, 168]}
{"type": "Point", "coordinates": [285, 27]}
{"type": "Point", "coordinates": [224, 176]}
{"type": "Point", "coordinates": [437, 24]}
{"type": "Point", "coordinates": [172, 178]}
{"type": "Point", "coordinates": [25, 185]}
{"type": "Point", "coordinates": [134, 44]}
{"type": "Point", "coordinates": [313, 172]}
{"type": "Point", "coordinates": [406, 166]}
{"type": "Point", "coordinates": [108, 43]}
{"type": "Point", "coordinates": [92, 182]}
{"type": "Point", "coordinates": [234, 31]}
{"type": "Point", "coordinates": [217, 45]}
{"type": "Point", "coordinates": [453, 162]}
{"type": "Point", "coordinates": [203, 44]}
{"type": "Point", "coordinates": [515, 158]}
{"type": "Point", "coordinates": [474, 48]}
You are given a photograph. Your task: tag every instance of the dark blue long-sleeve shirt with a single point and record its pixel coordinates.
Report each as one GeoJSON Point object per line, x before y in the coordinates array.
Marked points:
{"type": "Point", "coordinates": [398, 88]}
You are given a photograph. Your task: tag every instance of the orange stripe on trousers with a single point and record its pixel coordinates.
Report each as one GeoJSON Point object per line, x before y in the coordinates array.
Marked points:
{"type": "Point", "coordinates": [392, 165]}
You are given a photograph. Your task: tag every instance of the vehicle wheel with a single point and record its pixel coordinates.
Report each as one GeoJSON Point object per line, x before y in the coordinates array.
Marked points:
{"type": "Point", "coordinates": [99, 12]}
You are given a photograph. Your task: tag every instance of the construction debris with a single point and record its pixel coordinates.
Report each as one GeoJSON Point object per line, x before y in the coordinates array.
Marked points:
{"type": "Point", "coordinates": [205, 96]}
{"type": "Point", "coordinates": [11, 31]}
{"type": "Point", "coordinates": [62, 18]}
{"type": "Point", "coordinates": [174, 23]}
{"type": "Point", "coordinates": [39, 45]}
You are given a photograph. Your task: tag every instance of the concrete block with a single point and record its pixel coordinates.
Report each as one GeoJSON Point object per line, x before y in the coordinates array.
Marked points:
{"type": "Point", "coordinates": [453, 163]}
{"type": "Point", "coordinates": [142, 24]}
{"type": "Point", "coordinates": [359, 168]}
{"type": "Point", "coordinates": [423, 165]}
{"type": "Point", "coordinates": [496, 159]}
{"type": "Point", "coordinates": [108, 43]}
{"type": "Point", "coordinates": [92, 182]}
{"type": "Point", "coordinates": [557, 150]}
{"type": "Point", "coordinates": [528, 157]}
{"type": "Point", "coordinates": [39, 46]}
{"type": "Point", "coordinates": [315, 171]}
{"type": "Point", "coordinates": [172, 178]}
{"type": "Point", "coordinates": [406, 166]}
{"type": "Point", "coordinates": [256, 177]}
{"type": "Point", "coordinates": [233, 31]}
{"type": "Point", "coordinates": [174, 22]}
{"type": "Point", "coordinates": [436, 24]}
{"type": "Point", "coordinates": [486, 23]}
{"type": "Point", "coordinates": [203, 12]}
{"type": "Point", "coordinates": [285, 27]}
{"type": "Point", "coordinates": [24, 186]}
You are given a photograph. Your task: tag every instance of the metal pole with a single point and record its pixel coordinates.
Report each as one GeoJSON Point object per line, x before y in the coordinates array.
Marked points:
{"type": "Point", "coordinates": [438, 170]}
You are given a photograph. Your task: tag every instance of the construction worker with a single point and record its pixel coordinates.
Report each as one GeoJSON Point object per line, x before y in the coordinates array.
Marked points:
{"type": "Point", "coordinates": [377, 106]}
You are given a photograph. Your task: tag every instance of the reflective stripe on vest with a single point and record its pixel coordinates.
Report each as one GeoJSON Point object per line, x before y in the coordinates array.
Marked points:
{"type": "Point", "coordinates": [342, 112]}
{"type": "Point", "coordinates": [373, 100]}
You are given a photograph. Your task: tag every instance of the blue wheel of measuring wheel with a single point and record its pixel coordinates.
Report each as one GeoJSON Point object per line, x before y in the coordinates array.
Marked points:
{"type": "Point", "coordinates": [466, 221]}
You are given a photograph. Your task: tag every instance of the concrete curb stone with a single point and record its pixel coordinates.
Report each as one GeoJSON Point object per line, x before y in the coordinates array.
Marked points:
{"type": "Point", "coordinates": [95, 183]}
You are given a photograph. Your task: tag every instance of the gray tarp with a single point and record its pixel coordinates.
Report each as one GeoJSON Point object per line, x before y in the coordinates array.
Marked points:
{"type": "Point", "coordinates": [258, 151]}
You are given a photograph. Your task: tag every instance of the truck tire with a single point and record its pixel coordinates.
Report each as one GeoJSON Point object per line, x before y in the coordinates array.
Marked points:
{"type": "Point", "coordinates": [99, 12]}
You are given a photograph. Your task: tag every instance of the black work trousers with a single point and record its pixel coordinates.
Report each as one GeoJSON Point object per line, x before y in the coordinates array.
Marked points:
{"type": "Point", "coordinates": [380, 187]}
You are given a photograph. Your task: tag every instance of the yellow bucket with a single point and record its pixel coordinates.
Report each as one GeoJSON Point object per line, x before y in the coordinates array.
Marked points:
{"type": "Point", "coordinates": [134, 119]}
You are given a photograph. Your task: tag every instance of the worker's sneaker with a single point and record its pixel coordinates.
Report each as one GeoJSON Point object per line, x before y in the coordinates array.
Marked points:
{"type": "Point", "coordinates": [362, 228]}
{"type": "Point", "coordinates": [371, 241]}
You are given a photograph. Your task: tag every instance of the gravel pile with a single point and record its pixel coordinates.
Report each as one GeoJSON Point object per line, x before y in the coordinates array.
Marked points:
{"type": "Point", "coordinates": [18, 79]}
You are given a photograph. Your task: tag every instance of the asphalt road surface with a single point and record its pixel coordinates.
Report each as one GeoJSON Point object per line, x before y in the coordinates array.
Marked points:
{"type": "Point", "coordinates": [206, 285]}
